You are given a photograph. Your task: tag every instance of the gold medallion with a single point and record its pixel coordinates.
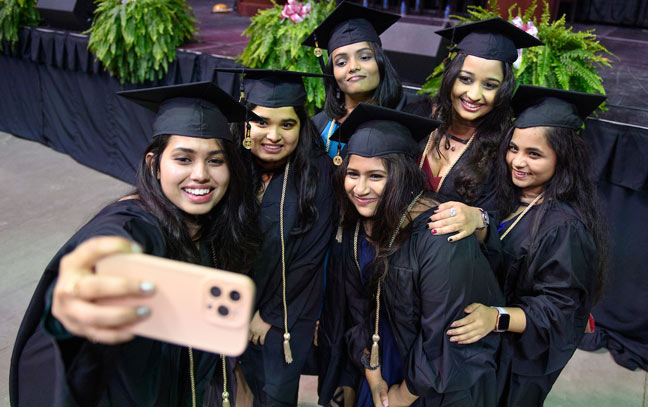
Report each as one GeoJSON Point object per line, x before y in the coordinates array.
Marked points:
{"type": "Point", "coordinates": [247, 143]}
{"type": "Point", "coordinates": [337, 160]}
{"type": "Point", "coordinates": [318, 52]}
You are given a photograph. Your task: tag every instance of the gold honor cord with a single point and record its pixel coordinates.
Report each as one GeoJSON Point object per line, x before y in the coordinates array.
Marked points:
{"type": "Point", "coordinates": [524, 212]}
{"type": "Point", "coordinates": [192, 377]}
{"type": "Point", "coordinates": [328, 136]}
{"type": "Point", "coordinates": [286, 342]}
{"type": "Point", "coordinates": [427, 150]}
{"type": "Point", "coordinates": [373, 362]}
{"type": "Point", "coordinates": [226, 402]}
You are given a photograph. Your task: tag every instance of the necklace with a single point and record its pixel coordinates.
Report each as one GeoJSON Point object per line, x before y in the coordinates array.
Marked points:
{"type": "Point", "coordinates": [524, 212]}
{"type": "Point", "coordinates": [428, 145]}
{"type": "Point", "coordinates": [449, 146]}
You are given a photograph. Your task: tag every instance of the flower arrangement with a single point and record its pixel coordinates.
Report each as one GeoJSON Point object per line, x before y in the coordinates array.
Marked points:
{"type": "Point", "coordinates": [276, 35]}
{"type": "Point", "coordinates": [13, 15]}
{"type": "Point", "coordinates": [135, 40]}
{"type": "Point", "coordinates": [569, 60]}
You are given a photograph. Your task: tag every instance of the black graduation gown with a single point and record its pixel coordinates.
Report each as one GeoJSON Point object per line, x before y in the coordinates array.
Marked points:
{"type": "Point", "coordinates": [486, 195]}
{"type": "Point", "coordinates": [429, 283]}
{"type": "Point", "coordinates": [305, 255]}
{"type": "Point", "coordinates": [555, 288]}
{"type": "Point", "coordinates": [50, 367]}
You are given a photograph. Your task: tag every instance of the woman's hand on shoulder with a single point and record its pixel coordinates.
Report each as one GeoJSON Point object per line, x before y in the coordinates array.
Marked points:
{"type": "Point", "coordinates": [78, 288]}
{"type": "Point", "coordinates": [455, 217]}
{"type": "Point", "coordinates": [479, 322]}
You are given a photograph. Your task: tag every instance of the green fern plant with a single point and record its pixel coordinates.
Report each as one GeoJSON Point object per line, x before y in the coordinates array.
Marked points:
{"type": "Point", "coordinates": [275, 43]}
{"type": "Point", "coordinates": [13, 15]}
{"type": "Point", "coordinates": [137, 39]}
{"type": "Point", "coordinates": [569, 60]}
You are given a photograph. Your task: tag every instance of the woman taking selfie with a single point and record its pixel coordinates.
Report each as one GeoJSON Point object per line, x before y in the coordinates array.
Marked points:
{"type": "Point", "coordinates": [361, 71]}
{"type": "Point", "coordinates": [404, 285]}
{"type": "Point", "coordinates": [551, 241]}
{"type": "Point", "coordinates": [474, 106]}
{"type": "Point", "coordinates": [188, 206]}
{"type": "Point", "coordinates": [291, 176]}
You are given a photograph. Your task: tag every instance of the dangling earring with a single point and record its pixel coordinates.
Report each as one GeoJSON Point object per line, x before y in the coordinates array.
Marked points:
{"type": "Point", "coordinates": [337, 94]}
{"type": "Point", "coordinates": [247, 141]}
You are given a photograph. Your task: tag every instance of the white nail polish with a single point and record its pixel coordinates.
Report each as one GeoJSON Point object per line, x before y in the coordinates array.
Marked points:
{"type": "Point", "coordinates": [147, 287]}
{"type": "Point", "coordinates": [143, 311]}
{"type": "Point", "coordinates": [136, 248]}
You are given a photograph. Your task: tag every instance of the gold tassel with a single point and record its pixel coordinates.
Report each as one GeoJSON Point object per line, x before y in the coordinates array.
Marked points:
{"type": "Point", "coordinates": [286, 346]}
{"type": "Point", "coordinates": [373, 362]}
{"type": "Point", "coordinates": [226, 402]}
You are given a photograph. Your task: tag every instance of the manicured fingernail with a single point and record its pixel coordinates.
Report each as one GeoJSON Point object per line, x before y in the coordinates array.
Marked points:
{"type": "Point", "coordinates": [143, 311]}
{"type": "Point", "coordinates": [147, 287]}
{"type": "Point", "coordinates": [434, 231]}
{"type": "Point", "coordinates": [449, 239]}
{"type": "Point", "coordinates": [435, 208]}
{"type": "Point", "coordinates": [427, 227]}
{"type": "Point", "coordinates": [136, 248]}
{"type": "Point", "coordinates": [386, 403]}
{"type": "Point", "coordinates": [453, 339]}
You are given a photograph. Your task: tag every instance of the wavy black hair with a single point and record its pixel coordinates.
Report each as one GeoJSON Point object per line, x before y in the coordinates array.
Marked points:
{"type": "Point", "coordinates": [405, 180]}
{"type": "Point", "coordinates": [303, 167]}
{"type": "Point", "coordinates": [231, 226]}
{"type": "Point", "coordinates": [490, 130]}
{"type": "Point", "coordinates": [388, 93]}
{"type": "Point", "coordinates": [571, 183]}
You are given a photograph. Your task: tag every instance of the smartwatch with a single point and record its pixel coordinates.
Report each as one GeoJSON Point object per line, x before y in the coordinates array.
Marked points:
{"type": "Point", "coordinates": [503, 320]}
{"type": "Point", "coordinates": [485, 219]}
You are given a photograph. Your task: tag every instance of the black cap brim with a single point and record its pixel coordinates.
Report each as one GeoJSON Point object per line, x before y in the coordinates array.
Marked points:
{"type": "Point", "coordinates": [378, 22]}
{"type": "Point", "coordinates": [536, 106]}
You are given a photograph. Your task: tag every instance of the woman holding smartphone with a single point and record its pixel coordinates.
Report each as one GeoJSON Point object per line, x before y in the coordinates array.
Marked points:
{"type": "Point", "coordinates": [551, 245]}
{"type": "Point", "coordinates": [188, 205]}
{"type": "Point", "coordinates": [404, 285]}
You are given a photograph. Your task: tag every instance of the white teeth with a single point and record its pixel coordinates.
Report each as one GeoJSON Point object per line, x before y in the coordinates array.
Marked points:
{"type": "Point", "coordinates": [192, 191]}
{"type": "Point", "coordinates": [471, 105]}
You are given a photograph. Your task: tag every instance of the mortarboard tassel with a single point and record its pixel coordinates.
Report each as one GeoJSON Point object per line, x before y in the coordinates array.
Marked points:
{"type": "Point", "coordinates": [286, 346]}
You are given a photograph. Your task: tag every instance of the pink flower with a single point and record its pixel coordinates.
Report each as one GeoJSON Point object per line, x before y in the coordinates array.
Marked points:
{"type": "Point", "coordinates": [296, 12]}
{"type": "Point", "coordinates": [529, 28]}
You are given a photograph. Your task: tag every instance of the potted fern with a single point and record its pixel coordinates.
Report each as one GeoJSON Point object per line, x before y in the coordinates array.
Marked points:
{"type": "Point", "coordinates": [276, 35]}
{"type": "Point", "coordinates": [13, 15]}
{"type": "Point", "coordinates": [569, 60]}
{"type": "Point", "coordinates": [135, 40]}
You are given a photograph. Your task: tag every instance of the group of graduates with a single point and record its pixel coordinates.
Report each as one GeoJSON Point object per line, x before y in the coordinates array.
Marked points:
{"type": "Point", "coordinates": [443, 253]}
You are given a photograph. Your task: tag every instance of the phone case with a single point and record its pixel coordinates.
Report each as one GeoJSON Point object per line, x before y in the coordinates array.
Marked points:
{"type": "Point", "coordinates": [193, 305]}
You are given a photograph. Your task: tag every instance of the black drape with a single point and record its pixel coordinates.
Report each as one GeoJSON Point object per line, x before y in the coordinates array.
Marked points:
{"type": "Point", "coordinates": [56, 93]}
{"type": "Point", "coordinates": [617, 12]}
{"type": "Point", "coordinates": [622, 171]}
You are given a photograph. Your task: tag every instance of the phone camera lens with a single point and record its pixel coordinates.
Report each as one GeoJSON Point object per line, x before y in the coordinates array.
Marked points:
{"type": "Point", "coordinates": [235, 295]}
{"type": "Point", "coordinates": [223, 310]}
{"type": "Point", "coordinates": [215, 291]}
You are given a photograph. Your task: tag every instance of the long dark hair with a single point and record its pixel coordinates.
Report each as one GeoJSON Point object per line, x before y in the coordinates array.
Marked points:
{"type": "Point", "coordinates": [571, 183]}
{"type": "Point", "coordinates": [489, 132]}
{"type": "Point", "coordinates": [303, 167]}
{"type": "Point", "coordinates": [388, 93]}
{"type": "Point", "coordinates": [231, 226]}
{"type": "Point", "coordinates": [405, 181]}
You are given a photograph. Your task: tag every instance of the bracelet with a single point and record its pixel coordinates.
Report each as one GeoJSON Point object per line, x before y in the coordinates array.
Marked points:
{"type": "Point", "coordinates": [366, 362]}
{"type": "Point", "coordinates": [485, 220]}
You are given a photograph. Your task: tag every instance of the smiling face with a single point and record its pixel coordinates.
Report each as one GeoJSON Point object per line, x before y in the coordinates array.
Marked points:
{"type": "Point", "coordinates": [356, 70]}
{"type": "Point", "coordinates": [364, 183]}
{"type": "Point", "coordinates": [276, 135]}
{"type": "Point", "coordinates": [530, 159]}
{"type": "Point", "coordinates": [475, 88]}
{"type": "Point", "coordinates": [193, 173]}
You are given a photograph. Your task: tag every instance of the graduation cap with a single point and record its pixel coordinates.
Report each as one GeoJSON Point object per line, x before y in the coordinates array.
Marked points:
{"type": "Point", "coordinates": [493, 38]}
{"type": "Point", "coordinates": [535, 106]}
{"type": "Point", "coordinates": [199, 109]}
{"type": "Point", "coordinates": [273, 87]}
{"type": "Point", "coordinates": [373, 131]}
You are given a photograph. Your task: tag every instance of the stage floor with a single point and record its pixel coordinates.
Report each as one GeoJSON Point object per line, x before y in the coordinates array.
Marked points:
{"type": "Point", "coordinates": [626, 82]}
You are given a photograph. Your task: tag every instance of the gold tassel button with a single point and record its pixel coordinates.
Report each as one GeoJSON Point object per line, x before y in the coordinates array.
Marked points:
{"type": "Point", "coordinates": [287, 351]}
{"type": "Point", "coordinates": [373, 362]}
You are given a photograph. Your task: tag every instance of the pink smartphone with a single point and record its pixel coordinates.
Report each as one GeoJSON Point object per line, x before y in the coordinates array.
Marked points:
{"type": "Point", "coordinates": [193, 305]}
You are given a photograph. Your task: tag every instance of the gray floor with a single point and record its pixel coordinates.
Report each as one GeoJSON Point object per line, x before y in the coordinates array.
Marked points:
{"type": "Point", "coordinates": [47, 196]}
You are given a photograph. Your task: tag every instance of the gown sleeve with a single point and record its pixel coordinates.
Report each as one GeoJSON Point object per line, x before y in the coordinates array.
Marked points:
{"type": "Point", "coordinates": [556, 296]}
{"type": "Point", "coordinates": [452, 276]}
